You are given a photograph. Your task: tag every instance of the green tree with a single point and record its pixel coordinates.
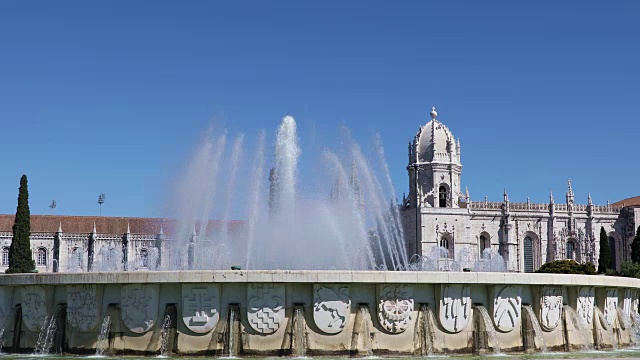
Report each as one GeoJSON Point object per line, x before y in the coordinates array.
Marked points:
{"type": "Point", "coordinates": [20, 259]}
{"type": "Point", "coordinates": [635, 247]}
{"type": "Point", "coordinates": [604, 261]}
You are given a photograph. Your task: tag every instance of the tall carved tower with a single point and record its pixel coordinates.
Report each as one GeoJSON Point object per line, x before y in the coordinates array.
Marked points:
{"type": "Point", "coordinates": [434, 166]}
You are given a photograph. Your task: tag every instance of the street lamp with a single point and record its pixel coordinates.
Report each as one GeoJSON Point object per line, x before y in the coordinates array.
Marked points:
{"type": "Point", "coordinates": [101, 201]}
{"type": "Point", "coordinates": [53, 205]}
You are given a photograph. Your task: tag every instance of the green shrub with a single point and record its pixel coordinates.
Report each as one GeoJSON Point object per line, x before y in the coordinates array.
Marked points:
{"type": "Point", "coordinates": [630, 269]}
{"type": "Point", "coordinates": [567, 267]}
{"type": "Point", "coordinates": [612, 272]}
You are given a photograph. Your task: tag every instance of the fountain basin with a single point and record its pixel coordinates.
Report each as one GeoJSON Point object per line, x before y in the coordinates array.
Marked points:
{"type": "Point", "coordinates": [320, 312]}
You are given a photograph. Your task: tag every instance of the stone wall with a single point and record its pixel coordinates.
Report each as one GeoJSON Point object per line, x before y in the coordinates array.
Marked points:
{"type": "Point", "coordinates": [318, 312]}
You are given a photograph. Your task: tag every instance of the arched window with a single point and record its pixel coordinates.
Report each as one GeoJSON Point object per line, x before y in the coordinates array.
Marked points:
{"type": "Point", "coordinates": [571, 249]}
{"type": "Point", "coordinates": [5, 256]}
{"type": "Point", "coordinates": [528, 254]}
{"type": "Point", "coordinates": [446, 244]}
{"type": "Point", "coordinates": [144, 257]}
{"type": "Point", "coordinates": [485, 242]}
{"type": "Point", "coordinates": [442, 196]}
{"type": "Point", "coordinates": [42, 257]}
{"type": "Point", "coordinates": [612, 247]}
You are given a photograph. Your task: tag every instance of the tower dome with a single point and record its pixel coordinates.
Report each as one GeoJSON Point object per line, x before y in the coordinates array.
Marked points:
{"type": "Point", "coordinates": [435, 143]}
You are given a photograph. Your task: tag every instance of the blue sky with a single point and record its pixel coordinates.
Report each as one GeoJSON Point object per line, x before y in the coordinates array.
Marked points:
{"type": "Point", "coordinates": [112, 96]}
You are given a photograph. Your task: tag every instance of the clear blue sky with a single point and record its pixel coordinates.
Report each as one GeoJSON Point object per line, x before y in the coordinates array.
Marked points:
{"type": "Point", "coordinates": [111, 96]}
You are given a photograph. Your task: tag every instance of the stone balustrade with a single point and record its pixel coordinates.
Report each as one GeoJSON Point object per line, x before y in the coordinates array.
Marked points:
{"type": "Point", "coordinates": [276, 312]}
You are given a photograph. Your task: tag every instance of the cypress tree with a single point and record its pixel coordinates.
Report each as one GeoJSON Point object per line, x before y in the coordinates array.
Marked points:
{"type": "Point", "coordinates": [20, 259]}
{"type": "Point", "coordinates": [604, 261]}
{"type": "Point", "coordinates": [635, 247]}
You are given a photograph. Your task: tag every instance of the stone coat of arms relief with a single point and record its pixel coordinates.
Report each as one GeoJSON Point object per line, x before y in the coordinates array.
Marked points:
{"type": "Point", "coordinates": [611, 305]}
{"type": "Point", "coordinates": [266, 305]}
{"type": "Point", "coordinates": [6, 303]}
{"type": "Point", "coordinates": [200, 306]}
{"type": "Point", "coordinates": [626, 302]}
{"type": "Point", "coordinates": [35, 307]}
{"type": "Point", "coordinates": [139, 304]}
{"type": "Point", "coordinates": [395, 307]}
{"type": "Point", "coordinates": [586, 302]}
{"type": "Point", "coordinates": [550, 308]}
{"type": "Point", "coordinates": [331, 307]}
{"type": "Point", "coordinates": [454, 307]}
{"type": "Point", "coordinates": [84, 306]}
{"type": "Point", "coordinates": [507, 307]}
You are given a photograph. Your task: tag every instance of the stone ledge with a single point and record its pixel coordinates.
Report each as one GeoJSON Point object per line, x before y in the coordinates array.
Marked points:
{"type": "Point", "coordinates": [316, 276]}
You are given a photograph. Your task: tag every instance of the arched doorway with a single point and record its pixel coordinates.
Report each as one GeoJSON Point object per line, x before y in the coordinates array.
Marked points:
{"type": "Point", "coordinates": [442, 196]}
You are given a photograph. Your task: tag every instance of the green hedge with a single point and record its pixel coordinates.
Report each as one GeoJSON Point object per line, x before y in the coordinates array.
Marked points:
{"type": "Point", "coordinates": [567, 267]}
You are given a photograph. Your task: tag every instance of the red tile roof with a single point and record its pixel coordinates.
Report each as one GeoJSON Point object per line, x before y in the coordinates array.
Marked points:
{"type": "Point", "coordinates": [632, 201]}
{"type": "Point", "coordinates": [105, 224]}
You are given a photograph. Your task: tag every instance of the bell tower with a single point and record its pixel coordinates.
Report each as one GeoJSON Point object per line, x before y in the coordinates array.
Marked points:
{"type": "Point", "coordinates": [434, 167]}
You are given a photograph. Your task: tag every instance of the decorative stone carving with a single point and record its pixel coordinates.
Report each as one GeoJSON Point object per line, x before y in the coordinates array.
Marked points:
{"type": "Point", "coordinates": [507, 307]}
{"type": "Point", "coordinates": [551, 308]}
{"type": "Point", "coordinates": [34, 307]}
{"type": "Point", "coordinates": [455, 307]}
{"type": "Point", "coordinates": [586, 301]}
{"type": "Point", "coordinates": [611, 305]}
{"type": "Point", "coordinates": [266, 307]}
{"type": "Point", "coordinates": [6, 303]}
{"type": "Point", "coordinates": [83, 306]}
{"type": "Point", "coordinates": [626, 303]}
{"type": "Point", "coordinates": [139, 303]}
{"type": "Point", "coordinates": [200, 306]}
{"type": "Point", "coordinates": [331, 307]}
{"type": "Point", "coordinates": [395, 307]}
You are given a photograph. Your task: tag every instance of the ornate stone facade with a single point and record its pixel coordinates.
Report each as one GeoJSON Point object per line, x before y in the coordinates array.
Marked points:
{"type": "Point", "coordinates": [525, 234]}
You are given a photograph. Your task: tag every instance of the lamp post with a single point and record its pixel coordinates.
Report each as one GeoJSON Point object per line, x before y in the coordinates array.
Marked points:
{"type": "Point", "coordinates": [53, 205]}
{"type": "Point", "coordinates": [101, 201]}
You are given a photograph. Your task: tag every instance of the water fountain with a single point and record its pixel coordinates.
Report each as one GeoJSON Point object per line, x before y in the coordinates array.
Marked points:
{"type": "Point", "coordinates": [164, 336]}
{"type": "Point", "coordinates": [301, 247]}
{"type": "Point", "coordinates": [102, 344]}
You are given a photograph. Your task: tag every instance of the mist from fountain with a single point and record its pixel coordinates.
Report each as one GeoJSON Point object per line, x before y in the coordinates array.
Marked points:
{"type": "Point", "coordinates": [491, 261]}
{"type": "Point", "coordinates": [357, 227]}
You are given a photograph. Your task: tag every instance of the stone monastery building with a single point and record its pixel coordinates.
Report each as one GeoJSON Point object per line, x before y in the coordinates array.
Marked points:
{"type": "Point", "coordinates": [526, 235]}
{"type": "Point", "coordinates": [444, 218]}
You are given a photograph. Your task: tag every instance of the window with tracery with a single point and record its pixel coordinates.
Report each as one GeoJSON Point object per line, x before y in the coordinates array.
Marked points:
{"type": "Point", "coordinates": [5, 256]}
{"type": "Point", "coordinates": [42, 257]}
{"type": "Point", "coordinates": [144, 258]}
